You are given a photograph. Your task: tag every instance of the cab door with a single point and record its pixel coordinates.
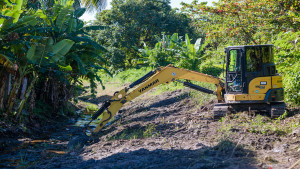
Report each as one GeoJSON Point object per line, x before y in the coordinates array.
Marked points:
{"type": "Point", "coordinates": [234, 71]}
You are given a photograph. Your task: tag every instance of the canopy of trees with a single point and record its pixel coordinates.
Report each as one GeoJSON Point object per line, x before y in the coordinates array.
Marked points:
{"type": "Point", "coordinates": [135, 22]}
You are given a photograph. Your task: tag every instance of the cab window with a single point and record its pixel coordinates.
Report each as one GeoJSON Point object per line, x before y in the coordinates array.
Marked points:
{"type": "Point", "coordinates": [234, 61]}
{"type": "Point", "coordinates": [253, 59]}
{"type": "Point", "coordinates": [267, 54]}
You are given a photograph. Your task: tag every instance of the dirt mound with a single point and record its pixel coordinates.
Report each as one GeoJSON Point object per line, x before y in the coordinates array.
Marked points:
{"type": "Point", "coordinates": [170, 131]}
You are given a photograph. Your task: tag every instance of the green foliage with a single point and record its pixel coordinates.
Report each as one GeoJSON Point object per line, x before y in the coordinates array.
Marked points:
{"type": "Point", "coordinates": [40, 109]}
{"type": "Point", "coordinates": [10, 10]}
{"type": "Point", "coordinates": [94, 4]}
{"type": "Point", "coordinates": [91, 108]}
{"type": "Point", "coordinates": [287, 47]}
{"type": "Point", "coordinates": [173, 50]}
{"type": "Point", "coordinates": [291, 83]}
{"type": "Point", "coordinates": [134, 23]}
{"type": "Point", "coordinates": [127, 76]}
{"type": "Point", "coordinates": [116, 57]}
{"type": "Point", "coordinates": [201, 98]}
{"type": "Point", "coordinates": [51, 49]}
{"type": "Point", "coordinates": [244, 22]}
{"type": "Point", "coordinates": [211, 68]}
{"type": "Point", "coordinates": [150, 131]}
{"type": "Point", "coordinates": [287, 56]}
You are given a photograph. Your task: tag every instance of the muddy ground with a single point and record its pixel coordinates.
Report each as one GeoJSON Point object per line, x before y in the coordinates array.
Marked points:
{"type": "Point", "coordinates": [172, 131]}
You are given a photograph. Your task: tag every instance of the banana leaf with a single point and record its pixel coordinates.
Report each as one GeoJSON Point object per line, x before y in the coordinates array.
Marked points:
{"type": "Point", "coordinates": [61, 48]}
{"type": "Point", "coordinates": [79, 12]}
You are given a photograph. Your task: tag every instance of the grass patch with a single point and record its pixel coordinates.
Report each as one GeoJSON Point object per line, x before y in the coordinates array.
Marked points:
{"type": "Point", "coordinates": [167, 88]}
{"type": "Point", "coordinates": [136, 133]}
{"type": "Point", "coordinates": [259, 124]}
{"type": "Point", "coordinates": [90, 108]}
{"type": "Point", "coordinates": [127, 76]}
{"type": "Point", "coordinates": [199, 97]}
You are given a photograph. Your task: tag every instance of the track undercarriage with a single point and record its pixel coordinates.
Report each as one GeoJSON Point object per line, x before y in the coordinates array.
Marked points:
{"type": "Point", "coordinates": [274, 110]}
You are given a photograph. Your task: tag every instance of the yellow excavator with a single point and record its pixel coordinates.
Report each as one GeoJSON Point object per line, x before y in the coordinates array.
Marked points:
{"type": "Point", "coordinates": [251, 84]}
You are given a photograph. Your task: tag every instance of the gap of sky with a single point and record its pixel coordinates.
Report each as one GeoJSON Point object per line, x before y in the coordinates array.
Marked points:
{"type": "Point", "coordinates": [174, 4]}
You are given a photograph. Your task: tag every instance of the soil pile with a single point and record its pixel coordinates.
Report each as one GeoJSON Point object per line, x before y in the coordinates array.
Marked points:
{"type": "Point", "coordinates": [171, 131]}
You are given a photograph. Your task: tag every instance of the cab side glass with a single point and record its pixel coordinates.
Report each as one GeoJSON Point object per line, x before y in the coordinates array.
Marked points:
{"type": "Point", "coordinates": [234, 74]}
{"type": "Point", "coordinates": [234, 61]}
{"type": "Point", "coordinates": [253, 59]}
{"type": "Point", "coordinates": [267, 53]}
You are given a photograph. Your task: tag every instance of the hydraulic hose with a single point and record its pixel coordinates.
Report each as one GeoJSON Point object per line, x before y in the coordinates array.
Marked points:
{"type": "Point", "coordinates": [196, 87]}
{"type": "Point", "coordinates": [101, 110]}
{"type": "Point", "coordinates": [149, 74]}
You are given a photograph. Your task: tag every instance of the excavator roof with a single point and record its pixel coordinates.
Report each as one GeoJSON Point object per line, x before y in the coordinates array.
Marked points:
{"type": "Point", "coordinates": [249, 46]}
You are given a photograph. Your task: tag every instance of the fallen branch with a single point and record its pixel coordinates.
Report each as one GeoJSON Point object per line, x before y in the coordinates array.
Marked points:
{"type": "Point", "coordinates": [236, 147]}
{"type": "Point", "coordinates": [295, 164]}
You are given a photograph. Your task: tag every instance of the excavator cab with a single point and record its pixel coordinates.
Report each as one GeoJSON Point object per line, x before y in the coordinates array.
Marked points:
{"type": "Point", "coordinates": [251, 78]}
{"type": "Point", "coordinates": [245, 63]}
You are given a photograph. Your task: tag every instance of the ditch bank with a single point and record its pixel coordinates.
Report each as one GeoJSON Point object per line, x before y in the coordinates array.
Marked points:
{"type": "Point", "coordinates": [171, 131]}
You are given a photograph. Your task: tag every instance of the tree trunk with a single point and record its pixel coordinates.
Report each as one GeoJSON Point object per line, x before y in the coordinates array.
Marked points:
{"type": "Point", "coordinates": [23, 101]}
{"type": "Point", "coordinates": [13, 94]}
{"type": "Point", "coordinates": [3, 81]}
{"type": "Point", "coordinates": [9, 84]}
{"type": "Point", "coordinates": [24, 86]}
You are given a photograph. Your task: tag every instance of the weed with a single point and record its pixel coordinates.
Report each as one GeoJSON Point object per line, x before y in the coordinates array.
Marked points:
{"type": "Point", "coordinates": [150, 131]}
{"type": "Point", "coordinates": [259, 124]}
{"type": "Point", "coordinates": [163, 122]}
{"type": "Point", "coordinates": [225, 124]}
{"type": "Point", "coordinates": [283, 116]}
{"type": "Point", "coordinates": [201, 98]}
{"type": "Point", "coordinates": [23, 159]}
{"type": "Point", "coordinates": [143, 132]}
{"type": "Point", "coordinates": [90, 108]}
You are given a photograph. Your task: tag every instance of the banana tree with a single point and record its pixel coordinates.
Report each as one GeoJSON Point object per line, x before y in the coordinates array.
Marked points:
{"type": "Point", "coordinates": [173, 50]}
{"type": "Point", "coordinates": [84, 58]}
{"type": "Point", "coordinates": [40, 55]}
{"type": "Point", "coordinates": [51, 46]}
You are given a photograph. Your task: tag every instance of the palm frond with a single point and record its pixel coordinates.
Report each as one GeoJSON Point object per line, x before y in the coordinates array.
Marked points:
{"type": "Point", "coordinates": [79, 12]}
{"type": "Point", "coordinates": [94, 5]}
{"type": "Point", "coordinates": [63, 18]}
{"type": "Point", "coordinates": [72, 25]}
{"type": "Point", "coordinates": [80, 64]}
{"type": "Point", "coordinates": [6, 61]}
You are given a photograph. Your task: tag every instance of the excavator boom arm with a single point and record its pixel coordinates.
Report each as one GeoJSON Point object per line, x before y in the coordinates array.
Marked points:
{"type": "Point", "coordinates": [150, 80]}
